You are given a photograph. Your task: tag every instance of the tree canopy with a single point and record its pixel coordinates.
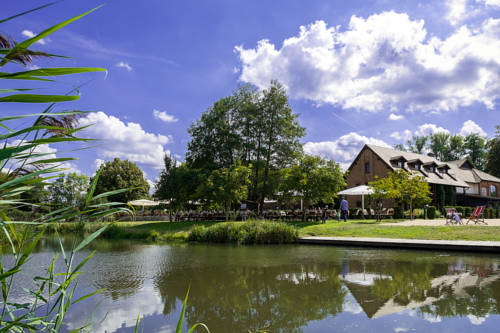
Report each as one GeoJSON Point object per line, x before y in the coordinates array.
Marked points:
{"type": "Point", "coordinates": [404, 187]}
{"type": "Point", "coordinates": [69, 189]}
{"type": "Point", "coordinates": [492, 164]}
{"type": "Point", "coordinates": [258, 128]}
{"type": "Point", "coordinates": [120, 174]}
{"type": "Point", "coordinates": [447, 147]}
{"type": "Point", "coordinates": [313, 179]}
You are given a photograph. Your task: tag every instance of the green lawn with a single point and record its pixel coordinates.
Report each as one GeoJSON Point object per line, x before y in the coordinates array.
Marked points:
{"type": "Point", "coordinates": [374, 229]}
{"type": "Point", "coordinates": [353, 228]}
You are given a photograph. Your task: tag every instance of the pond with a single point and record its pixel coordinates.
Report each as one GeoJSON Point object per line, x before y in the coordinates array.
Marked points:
{"type": "Point", "coordinates": [282, 288]}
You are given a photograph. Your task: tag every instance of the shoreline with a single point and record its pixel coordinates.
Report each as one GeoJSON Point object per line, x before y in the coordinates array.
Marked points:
{"type": "Point", "coordinates": [414, 244]}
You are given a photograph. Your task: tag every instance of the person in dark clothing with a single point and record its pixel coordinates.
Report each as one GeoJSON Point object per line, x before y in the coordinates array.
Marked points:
{"type": "Point", "coordinates": [323, 215]}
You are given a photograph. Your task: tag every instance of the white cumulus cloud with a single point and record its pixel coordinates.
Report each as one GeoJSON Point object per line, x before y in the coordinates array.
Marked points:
{"type": "Point", "coordinates": [402, 136]}
{"type": "Point", "coordinates": [125, 140]}
{"type": "Point", "coordinates": [430, 129]}
{"type": "Point", "coordinates": [394, 116]}
{"type": "Point", "coordinates": [164, 116]}
{"type": "Point", "coordinates": [470, 127]}
{"type": "Point", "coordinates": [44, 152]}
{"type": "Point", "coordinates": [342, 150]}
{"type": "Point", "coordinates": [125, 65]}
{"type": "Point", "coordinates": [384, 61]}
{"type": "Point", "coordinates": [457, 11]}
{"type": "Point", "coordinates": [31, 34]}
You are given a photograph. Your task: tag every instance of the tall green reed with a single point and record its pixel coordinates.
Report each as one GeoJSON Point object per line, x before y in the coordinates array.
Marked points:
{"type": "Point", "coordinates": [23, 168]}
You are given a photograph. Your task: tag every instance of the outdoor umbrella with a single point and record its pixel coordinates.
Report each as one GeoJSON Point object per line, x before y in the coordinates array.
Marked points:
{"type": "Point", "coordinates": [143, 202]}
{"type": "Point", "coordinates": [361, 190]}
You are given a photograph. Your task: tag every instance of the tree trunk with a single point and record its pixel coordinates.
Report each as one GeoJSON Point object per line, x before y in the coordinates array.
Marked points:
{"type": "Point", "coordinates": [411, 210]}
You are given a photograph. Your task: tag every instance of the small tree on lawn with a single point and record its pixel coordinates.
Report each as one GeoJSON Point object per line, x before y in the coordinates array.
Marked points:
{"type": "Point", "coordinates": [226, 186]}
{"type": "Point", "coordinates": [403, 187]}
{"type": "Point", "coordinates": [313, 179]}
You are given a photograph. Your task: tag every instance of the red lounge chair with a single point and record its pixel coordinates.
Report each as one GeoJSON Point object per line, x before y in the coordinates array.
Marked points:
{"type": "Point", "coordinates": [477, 216]}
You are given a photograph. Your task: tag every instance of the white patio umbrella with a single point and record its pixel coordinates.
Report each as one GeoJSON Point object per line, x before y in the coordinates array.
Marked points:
{"type": "Point", "coordinates": [361, 190]}
{"type": "Point", "coordinates": [143, 202]}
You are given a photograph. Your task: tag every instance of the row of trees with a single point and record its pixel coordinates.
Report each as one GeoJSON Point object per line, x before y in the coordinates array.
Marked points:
{"type": "Point", "coordinates": [450, 147]}
{"type": "Point", "coordinates": [247, 147]}
{"type": "Point", "coordinates": [71, 189]}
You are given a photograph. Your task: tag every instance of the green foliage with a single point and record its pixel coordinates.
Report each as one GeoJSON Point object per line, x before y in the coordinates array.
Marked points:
{"type": "Point", "coordinates": [69, 189]}
{"type": "Point", "coordinates": [417, 144]}
{"type": "Point", "coordinates": [398, 212]}
{"type": "Point", "coordinates": [20, 176]}
{"type": "Point", "coordinates": [451, 195]}
{"type": "Point", "coordinates": [313, 179]}
{"type": "Point", "coordinates": [252, 232]}
{"type": "Point", "coordinates": [257, 128]}
{"type": "Point", "coordinates": [118, 174]}
{"type": "Point", "coordinates": [441, 195]}
{"type": "Point", "coordinates": [226, 186]}
{"type": "Point", "coordinates": [431, 212]}
{"type": "Point", "coordinates": [403, 187]}
{"type": "Point", "coordinates": [177, 184]}
{"type": "Point", "coordinates": [493, 157]}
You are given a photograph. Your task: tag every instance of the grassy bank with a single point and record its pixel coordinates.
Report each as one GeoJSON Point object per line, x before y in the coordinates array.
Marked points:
{"type": "Point", "coordinates": [179, 231]}
{"type": "Point", "coordinates": [373, 229]}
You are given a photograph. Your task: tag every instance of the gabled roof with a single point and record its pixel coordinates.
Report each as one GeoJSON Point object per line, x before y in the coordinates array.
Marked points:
{"type": "Point", "coordinates": [450, 178]}
{"type": "Point", "coordinates": [485, 176]}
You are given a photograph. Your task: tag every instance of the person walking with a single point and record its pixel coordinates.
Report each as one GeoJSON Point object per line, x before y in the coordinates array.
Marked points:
{"type": "Point", "coordinates": [344, 209]}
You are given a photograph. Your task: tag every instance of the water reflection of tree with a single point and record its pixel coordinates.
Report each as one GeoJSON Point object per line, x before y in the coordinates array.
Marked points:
{"type": "Point", "coordinates": [238, 299]}
{"type": "Point", "coordinates": [409, 282]}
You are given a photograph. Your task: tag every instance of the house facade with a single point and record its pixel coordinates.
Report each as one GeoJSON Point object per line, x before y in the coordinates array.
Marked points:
{"type": "Point", "coordinates": [460, 181]}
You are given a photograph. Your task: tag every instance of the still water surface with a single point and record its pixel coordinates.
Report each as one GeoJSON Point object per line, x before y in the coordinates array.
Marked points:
{"type": "Point", "coordinates": [283, 288]}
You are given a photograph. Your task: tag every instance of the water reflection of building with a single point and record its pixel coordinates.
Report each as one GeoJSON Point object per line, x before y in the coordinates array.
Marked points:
{"type": "Point", "coordinates": [379, 294]}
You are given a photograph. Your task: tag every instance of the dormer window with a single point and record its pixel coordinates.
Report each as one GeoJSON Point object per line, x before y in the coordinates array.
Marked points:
{"type": "Point", "coordinates": [431, 169]}
{"type": "Point", "coordinates": [400, 164]}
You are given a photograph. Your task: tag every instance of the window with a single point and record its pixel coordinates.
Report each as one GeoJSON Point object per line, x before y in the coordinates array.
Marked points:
{"type": "Point", "coordinates": [367, 167]}
{"type": "Point", "coordinates": [484, 191]}
{"type": "Point", "coordinates": [493, 191]}
{"type": "Point", "coordinates": [431, 169]}
{"type": "Point", "coordinates": [400, 164]}
{"type": "Point", "coordinates": [442, 170]}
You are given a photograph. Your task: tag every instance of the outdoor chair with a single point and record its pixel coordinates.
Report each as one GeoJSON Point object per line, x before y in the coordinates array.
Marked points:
{"type": "Point", "coordinates": [390, 212]}
{"type": "Point", "coordinates": [477, 216]}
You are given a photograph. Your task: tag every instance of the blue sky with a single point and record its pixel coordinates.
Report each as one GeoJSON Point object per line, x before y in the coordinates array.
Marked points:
{"type": "Point", "coordinates": [356, 71]}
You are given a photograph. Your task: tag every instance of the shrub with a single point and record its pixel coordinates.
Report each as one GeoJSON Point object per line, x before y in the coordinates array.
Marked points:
{"type": "Point", "coordinates": [431, 212]}
{"type": "Point", "coordinates": [112, 231]}
{"type": "Point", "coordinates": [398, 212]}
{"type": "Point", "coordinates": [153, 235]}
{"type": "Point", "coordinates": [468, 211]}
{"type": "Point", "coordinates": [252, 232]}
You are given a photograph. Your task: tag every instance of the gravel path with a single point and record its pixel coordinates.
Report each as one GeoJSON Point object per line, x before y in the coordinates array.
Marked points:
{"type": "Point", "coordinates": [439, 222]}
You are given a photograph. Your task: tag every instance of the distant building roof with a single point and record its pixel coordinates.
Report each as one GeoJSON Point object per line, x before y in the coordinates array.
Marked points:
{"type": "Point", "coordinates": [456, 175]}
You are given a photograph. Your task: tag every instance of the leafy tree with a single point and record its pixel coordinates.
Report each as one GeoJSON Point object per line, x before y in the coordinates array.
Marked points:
{"type": "Point", "coordinates": [403, 187]}
{"type": "Point", "coordinates": [475, 147]}
{"type": "Point", "coordinates": [70, 189]}
{"type": "Point", "coordinates": [417, 144]}
{"type": "Point", "coordinates": [456, 148]}
{"type": "Point", "coordinates": [439, 146]}
{"type": "Point", "coordinates": [227, 186]}
{"type": "Point", "coordinates": [118, 174]}
{"type": "Point", "coordinates": [400, 146]}
{"type": "Point", "coordinates": [257, 128]}
{"type": "Point", "coordinates": [492, 164]}
{"type": "Point", "coordinates": [313, 179]}
{"type": "Point", "coordinates": [178, 184]}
